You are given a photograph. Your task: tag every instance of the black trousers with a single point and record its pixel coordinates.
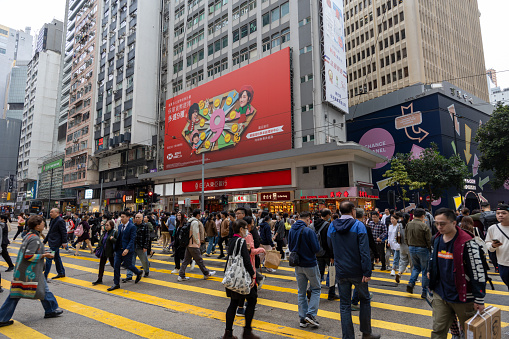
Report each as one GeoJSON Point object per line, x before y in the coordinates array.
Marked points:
{"type": "Point", "coordinates": [225, 239]}
{"type": "Point", "coordinates": [380, 248]}
{"type": "Point", "coordinates": [279, 246]}
{"type": "Point", "coordinates": [235, 301]}
{"type": "Point", "coordinates": [102, 264]}
{"type": "Point", "coordinates": [6, 256]}
{"type": "Point", "coordinates": [20, 230]}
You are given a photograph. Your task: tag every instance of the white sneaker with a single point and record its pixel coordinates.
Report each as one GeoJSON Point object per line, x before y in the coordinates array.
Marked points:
{"type": "Point", "coordinates": [211, 273]}
{"type": "Point", "coordinates": [175, 271]}
{"type": "Point", "coordinates": [393, 273]}
{"type": "Point", "coordinates": [193, 263]}
{"type": "Point", "coordinates": [180, 279]}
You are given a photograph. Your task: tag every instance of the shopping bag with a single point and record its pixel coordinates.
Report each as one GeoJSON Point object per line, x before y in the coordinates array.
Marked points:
{"type": "Point", "coordinates": [332, 275]}
{"type": "Point", "coordinates": [236, 277]}
{"type": "Point", "coordinates": [272, 259]}
{"type": "Point", "coordinates": [485, 325]}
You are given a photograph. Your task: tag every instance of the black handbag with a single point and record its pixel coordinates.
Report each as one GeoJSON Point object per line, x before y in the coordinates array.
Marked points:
{"type": "Point", "coordinates": [294, 259]}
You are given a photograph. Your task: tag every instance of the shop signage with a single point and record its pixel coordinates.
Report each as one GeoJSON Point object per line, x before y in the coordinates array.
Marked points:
{"type": "Point", "coordinates": [238, 114]}
{"type": "Point", "coordinates": [115, 201]}
{"type": "Point", "coordinates": [336, 193]}
{"type": "Point", "coordinates": [52, 165]}
{"type": "Point", "coordinates": [89, 194]}
{"type": "Point", "coordinates": [275, 196]}
{"type": "Point", "coordinates": [245, 198]}
{"type": "Point", "coordinates": [139, 200]}
{"type": "Point", "coordinates": [265, 179]}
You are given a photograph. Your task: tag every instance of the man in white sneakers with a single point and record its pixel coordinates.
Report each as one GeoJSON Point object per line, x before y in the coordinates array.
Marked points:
{"type": "Point", "coordinates": [193, 249]}
{"type": "Point", "coordinates": [497, 240]}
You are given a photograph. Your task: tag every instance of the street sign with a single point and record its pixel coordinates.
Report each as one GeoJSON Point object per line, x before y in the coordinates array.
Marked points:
{"type": "Point", "coordinates": [187, 202]}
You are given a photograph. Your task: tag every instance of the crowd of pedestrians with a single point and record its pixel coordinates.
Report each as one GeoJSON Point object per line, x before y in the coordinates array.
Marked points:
{"type": "Point", "coordinates": [340, 249]}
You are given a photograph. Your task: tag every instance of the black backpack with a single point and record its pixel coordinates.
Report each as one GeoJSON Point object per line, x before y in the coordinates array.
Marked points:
{"type": "Point", "coordinates": [488, 218]}
{"type": "Point", "coordinates": [321, 251]}
{"type": "Point", "coordinates": [183, 235]}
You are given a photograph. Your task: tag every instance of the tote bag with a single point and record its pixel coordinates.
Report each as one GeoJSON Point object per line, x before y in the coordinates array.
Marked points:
{"type": "Point", "coordinates": [236, 277]}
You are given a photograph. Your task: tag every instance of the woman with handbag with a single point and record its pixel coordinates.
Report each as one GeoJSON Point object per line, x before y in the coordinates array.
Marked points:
{"type": "Point", "coordinates": [237, 246]}
{"type": "Point", "coordinates": [21, 225]}
{"type": "Point", "coordinates": [85, 235]}
{"type": "Point", "coordinates": [393, 242]}
{"type": "Point", "coordinates": [178, 249]}
{"type": "Point", "coordinates": [106, 249]}
{"type": "Point", "coordinates": [28, 275]}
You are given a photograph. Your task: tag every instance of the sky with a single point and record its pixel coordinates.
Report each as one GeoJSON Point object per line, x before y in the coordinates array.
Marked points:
{"type": "Point", "coordinates": [34, 13]}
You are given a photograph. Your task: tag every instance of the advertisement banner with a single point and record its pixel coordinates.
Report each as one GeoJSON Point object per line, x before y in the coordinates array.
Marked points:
{"type": "Point", "coordinates": [52, 165]}
{"type": "Point", "coordinates": [242, 113]}
{"type": "Point", "coordinates": [265, 179]}
{"type": "Point", "coordinates": [334, 54]}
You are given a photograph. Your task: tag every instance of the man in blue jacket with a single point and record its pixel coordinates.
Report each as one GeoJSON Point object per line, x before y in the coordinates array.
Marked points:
{"type": "Point", "coordinates": [349, 241]}
{"type": "Point", "coordinates": [302, 240]}
{"type": "Point", "coordinates": [56, 237]}
{"type": "Point", "coordinates": [124, 250]}
{"type": "Point", "coordinates": [266, 239]}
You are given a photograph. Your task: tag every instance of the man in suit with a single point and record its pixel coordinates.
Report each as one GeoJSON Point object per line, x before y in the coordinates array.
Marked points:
{"type": "Point", "coordinates": [124, 250]}
{"type": "Point", "coordinates": [56, 237]}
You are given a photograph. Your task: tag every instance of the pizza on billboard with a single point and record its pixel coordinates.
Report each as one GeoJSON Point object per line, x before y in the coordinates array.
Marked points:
{"type": "Point", "coordinates": [243, 113]}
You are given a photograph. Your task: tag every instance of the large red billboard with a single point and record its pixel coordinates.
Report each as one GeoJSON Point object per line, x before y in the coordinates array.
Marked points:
{"type": "Point", "coordinates": [245, 112]}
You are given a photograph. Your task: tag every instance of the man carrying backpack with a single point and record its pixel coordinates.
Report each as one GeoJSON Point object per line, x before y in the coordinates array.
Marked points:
{"type": "Point", "coordinates": [488, 218]}
{"type": "Point", "coordinates": [191, 231]}
{"type": "Point", "coordinates": [325, 255]}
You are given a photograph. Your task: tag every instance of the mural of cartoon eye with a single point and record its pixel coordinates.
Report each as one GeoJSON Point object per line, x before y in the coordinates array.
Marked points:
{"type": "Point", "coordinates": [217, 120]}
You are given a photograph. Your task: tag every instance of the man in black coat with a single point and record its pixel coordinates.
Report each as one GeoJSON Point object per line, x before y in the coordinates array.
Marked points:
{"type": "Point", "coordinates": [56, 237]}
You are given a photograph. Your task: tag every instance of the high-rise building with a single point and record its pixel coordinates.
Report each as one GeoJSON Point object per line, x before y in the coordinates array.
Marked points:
{"type": "Point", "coordinates": [10, 131]}
{"type": "Point", "coordinates": [493, 75]}
{"type": "Point", "coordinates": [15, 45]}
{"type": "Point", "coordinates": [81, 84]}
{"type": "Point", "coordinates": [50, 37]}
{"type": "Point", "coordinates": [38, 120]}
{"type": "Point", "coordinates": [15, 91]}
{"type": "Point", "coordinates": [125, 122]}
{"type": "Point", "coordinates": [247, 94]}
{"type": "Point", "coordinates": [393, 44]}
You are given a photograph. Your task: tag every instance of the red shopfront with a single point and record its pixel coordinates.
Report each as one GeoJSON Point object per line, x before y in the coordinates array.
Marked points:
{"type": "Point", "coordinates": [239, 185]}
{"type": "Point", "coordinates": [318, 199]}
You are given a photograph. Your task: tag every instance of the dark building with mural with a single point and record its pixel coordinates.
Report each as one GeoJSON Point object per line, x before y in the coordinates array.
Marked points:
{"type": "Point", "coordinates": [411, 119]}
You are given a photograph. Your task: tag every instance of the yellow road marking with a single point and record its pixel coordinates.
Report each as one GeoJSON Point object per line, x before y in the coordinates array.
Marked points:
{"type": "Point", "coordinates": [200, 311]}
{"type": "Point", "coordinates": [113, 320]}
{"type": "Point", "coordinates": [20, 331]}
{"type": "Point", "coordinates": [271, 303]}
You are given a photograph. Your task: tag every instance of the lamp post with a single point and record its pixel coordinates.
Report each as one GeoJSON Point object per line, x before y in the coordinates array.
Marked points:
{"type": "Point", "coordinates": [202, 205]}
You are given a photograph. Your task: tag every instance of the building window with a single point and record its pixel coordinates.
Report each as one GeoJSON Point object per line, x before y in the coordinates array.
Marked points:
{"type": "Point", "coordinates": [285, 35]}
{"type": "Point", "coordinates": [276, 40]}
{"type": "Point", "coordinates": [266, 19]}
{"type": "Point", "coordinates": [266, 44]}
{"type": "Point", "coordinates": [275, 14]}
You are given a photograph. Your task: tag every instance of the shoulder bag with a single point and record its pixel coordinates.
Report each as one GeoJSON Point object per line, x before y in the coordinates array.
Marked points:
{"type": "Point", "coordinates": [236, 277]}
{"type": "Point", "coordinates": [294, 259]}
{"type": "Point", "coordinates": [26, 289]}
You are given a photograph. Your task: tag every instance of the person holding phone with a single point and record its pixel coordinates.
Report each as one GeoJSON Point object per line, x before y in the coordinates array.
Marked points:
{"type": "Point", "coordinates": [497, 240]}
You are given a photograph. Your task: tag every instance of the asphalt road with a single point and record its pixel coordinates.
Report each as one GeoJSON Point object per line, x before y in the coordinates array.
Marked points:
{"type": "Point", "coordinates": [159, 306]}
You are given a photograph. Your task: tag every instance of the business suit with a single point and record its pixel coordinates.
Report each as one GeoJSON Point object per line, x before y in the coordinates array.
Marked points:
{"type": "Point", "coordinates": [125, 241]}
{"type": "Point", "coordinates": [57, 235]}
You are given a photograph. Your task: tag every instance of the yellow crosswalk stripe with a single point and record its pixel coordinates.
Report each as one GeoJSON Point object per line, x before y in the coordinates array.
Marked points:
{"type": "Point", "coordinates": [20, 331]}
{"type": "Point", "coordinates": [113, 320]}
{"type": "Point", "coordinates": [200, 311]}
{"type": "Point", "coordinates": [271, 303]}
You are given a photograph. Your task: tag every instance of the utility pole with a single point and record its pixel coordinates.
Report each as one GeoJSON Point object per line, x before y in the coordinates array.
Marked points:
{"type": "Point", "coordinates": [49, 199]}
{"type": "Point", "coordinates": [202, 205]}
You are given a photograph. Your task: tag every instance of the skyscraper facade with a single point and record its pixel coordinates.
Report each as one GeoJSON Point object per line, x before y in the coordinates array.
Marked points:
{"type": "Point", "coordinates": [396, 43]}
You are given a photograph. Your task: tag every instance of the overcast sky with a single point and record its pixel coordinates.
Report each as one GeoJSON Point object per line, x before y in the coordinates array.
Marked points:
{"type": "Point", "coordinates": [34, 13]}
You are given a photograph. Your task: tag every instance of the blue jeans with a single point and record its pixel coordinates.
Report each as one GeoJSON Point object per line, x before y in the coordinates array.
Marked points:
{"type": "Point", "coordinates": [210, 247]}
{"type": "Point", "coordinates": [395, 263]}
{"type": "Point", "coordinates": [58, 263]}
{"type": "Point", "coordinates": [345, 307]}
{"type": "Point", "coordinates": [128, 261]}
{"type": "Point", "coordinates": [420, 259]}
{"type": "Point", "coordinates": [303, 275]}
{"type": "Point", "coordinates": [49, 303]}
{"type": "Point", "coordinates": [144, 262]}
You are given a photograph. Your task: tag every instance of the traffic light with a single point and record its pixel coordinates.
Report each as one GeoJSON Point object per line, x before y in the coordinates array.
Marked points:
{"type": "Point", "coordinates": [145, 198]}
{"type": "Point", "coordinates": [391, 197]}
{"type": "Point", "coordinates": [156, 197]}
{"type": "Point", "coordinates": [417, 198]}
{"type": "Point", "coordinates": [224, 199]}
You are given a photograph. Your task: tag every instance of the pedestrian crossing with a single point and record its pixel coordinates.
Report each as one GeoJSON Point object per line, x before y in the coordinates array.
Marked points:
{"type": "Point", "coordinates": [395, 313]}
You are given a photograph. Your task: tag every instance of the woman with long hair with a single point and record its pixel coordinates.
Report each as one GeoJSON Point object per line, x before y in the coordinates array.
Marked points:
{"type": "Point", "coordinates": [85, 236]}
{"type": "Point", "coordinates": [179, 250]}
{"type": "Point", "coordinates": [29, 268]}
{"type": "Point", "coordinates": [106, 249]}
